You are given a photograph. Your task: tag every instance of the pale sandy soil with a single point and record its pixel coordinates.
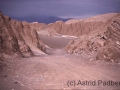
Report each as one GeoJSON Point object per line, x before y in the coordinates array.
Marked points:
{"type": "Point", "coordinates": [55, 71]}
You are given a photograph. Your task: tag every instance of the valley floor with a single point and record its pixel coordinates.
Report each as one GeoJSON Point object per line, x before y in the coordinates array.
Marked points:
{"type": "Point", "coordinates": [58, 71]}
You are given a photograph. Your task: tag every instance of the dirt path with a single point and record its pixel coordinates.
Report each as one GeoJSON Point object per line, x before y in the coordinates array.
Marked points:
{"type": "Point", "coordinates": [54, 72]}
{"type": "Point", "coordinates": [58, 71]}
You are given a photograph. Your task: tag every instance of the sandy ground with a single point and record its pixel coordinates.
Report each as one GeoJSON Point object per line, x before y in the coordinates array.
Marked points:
{"type": "Point", "coordinates": [58, 71]}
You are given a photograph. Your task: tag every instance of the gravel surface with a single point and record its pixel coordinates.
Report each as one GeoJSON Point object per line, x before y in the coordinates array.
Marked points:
{"type": "Point", "coordinates": [58, 71]}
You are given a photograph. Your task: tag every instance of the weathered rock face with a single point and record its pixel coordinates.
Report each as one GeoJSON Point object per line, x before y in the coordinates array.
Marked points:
{"type": "Point", "coordinates": [73, 27]}
{"type": "Point", "coordinates": [105, 41]}
{"type": "Point", "coordinates": [18, 38]}
{"type": "Point", "coordinates": [38, 26]}
{"type": "Point", "coordinates": [27, 37]}
{"type": "Point", "coordinates": [17, 28]}
{"type": "Point", "coordinates": [43, 29]}
{"type": "Point", "coordinates": [8, 41]}
{"type": "Point", "coordinates": [81, 27]}
{"type": "Point", "coordinates": [31, 37]}
{"type": "Point", "coordinates": [111, 51]}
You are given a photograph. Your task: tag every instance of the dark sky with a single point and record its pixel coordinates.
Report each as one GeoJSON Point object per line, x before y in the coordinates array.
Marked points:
{"type": "Point", "coordinates": [36, 10]}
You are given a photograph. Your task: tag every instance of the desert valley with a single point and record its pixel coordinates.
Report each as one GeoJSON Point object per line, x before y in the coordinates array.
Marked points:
{"type": "Point", "coordinates": [73, 55]}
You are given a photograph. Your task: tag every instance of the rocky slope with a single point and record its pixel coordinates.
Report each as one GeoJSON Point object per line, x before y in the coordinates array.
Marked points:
{"type": "Point", "coordinates": [17, 38]}
{"type": "Point", "coordinates": [43, 29]}
{"type": "Point", "coordinates": [111, 49]}
{"type": "Point", "coordinates": [80, 27]}
{"type": "Point", "coordinates": [104, 43]}
{"type": "Point", "coordinates": [8, 41]}
{"type": "Point", "coordinates": [74, 27]}
{"type": "Point", "coordinates": [27, 37]}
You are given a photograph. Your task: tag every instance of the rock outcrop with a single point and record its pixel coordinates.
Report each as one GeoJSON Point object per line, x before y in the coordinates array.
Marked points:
{"type": "Point", "coordinates": [96, 34]}
{"type": "Point", "coordinates": [104, 42]}
{"type": "Point", "coordinates": [73, 27]}
{"type": "Point", "coordinates": [27, 37]}
{"type": "Point", "coordinates": [99, 36]}
{"type": "Point", "coordinates": [43, 29]}
{"type": "Point", "coordinates": [18, 38]}
{"type": "Point", "coordinates": [111, 50]}
{"type": "Point", "coordinates": [8, 41]}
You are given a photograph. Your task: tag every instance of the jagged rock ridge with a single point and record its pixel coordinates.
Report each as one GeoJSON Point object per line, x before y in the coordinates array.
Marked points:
{"type": "Point", "coordinates": [8, 41]}
{"type": "Point", "coordinates": [74, 27]}
{"type": "Point", "coordinates": [17, 38]}
{"type": "Point", "coordinates": [104, 43]}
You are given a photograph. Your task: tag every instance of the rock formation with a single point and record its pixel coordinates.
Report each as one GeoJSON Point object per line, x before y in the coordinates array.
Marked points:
{"type": "Point", "coordinates": [27, 37]}
{"type": "Point", "coordinates": [111, 49]}
{"type": "Point", "coordinates": [17, 38]}
{"type": "Point", "coordinates": [8, 41]}
{"type": "Point", "coordinates": [74, 27]}
{"type": "Point", "coordinates": [104, 42]}
{"type": "Point", "coordinates": [98, 36]}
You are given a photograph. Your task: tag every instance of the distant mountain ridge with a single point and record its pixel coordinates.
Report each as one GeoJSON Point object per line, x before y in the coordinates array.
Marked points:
{"type": "Point", "coordinates": [41, 19]}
